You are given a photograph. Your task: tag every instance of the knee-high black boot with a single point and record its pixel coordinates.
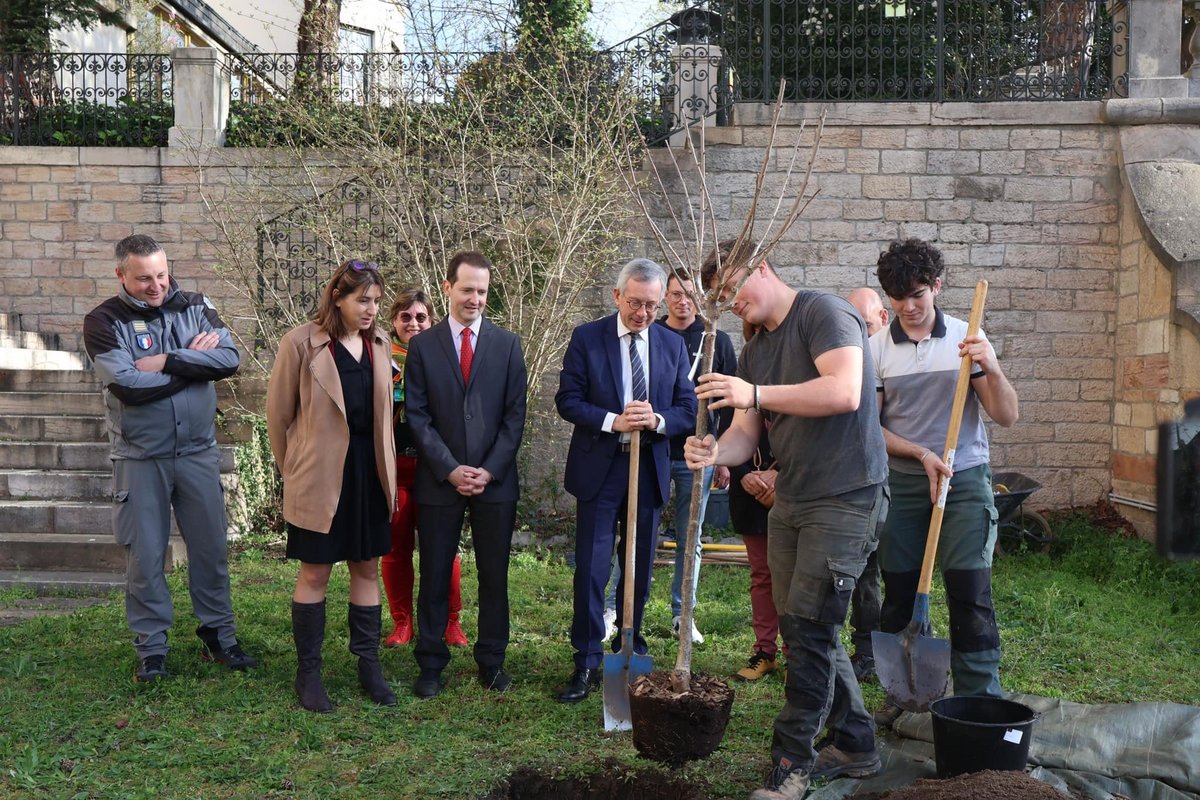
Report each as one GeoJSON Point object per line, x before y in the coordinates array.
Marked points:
{"type": "Point", "coordinates": [364, 643]}
{"type": "Point", "coordinates": [308, 629]}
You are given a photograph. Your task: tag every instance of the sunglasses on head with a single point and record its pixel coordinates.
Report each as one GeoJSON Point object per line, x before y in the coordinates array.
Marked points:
{"type": "Point", "coordinates": [359, 266]}
{"type": "Point", "coordinates": [420, 317]}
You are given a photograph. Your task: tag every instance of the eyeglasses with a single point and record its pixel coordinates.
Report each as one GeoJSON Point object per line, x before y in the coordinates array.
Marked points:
{"type": "Point", "coordinates": [639, 305]}
{"type": "Point", "coordinates": [406, 317]}
{"type": "Point", "coordinates": [359, 266]}
{"type": "Point", "coordinates": [676, 296]}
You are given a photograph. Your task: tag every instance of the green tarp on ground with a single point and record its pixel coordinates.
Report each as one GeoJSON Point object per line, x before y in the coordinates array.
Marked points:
{"type": "Point", "coordinates": [1140, 751]}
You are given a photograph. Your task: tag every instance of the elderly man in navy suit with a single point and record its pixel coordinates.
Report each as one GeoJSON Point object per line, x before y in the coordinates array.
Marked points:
{"type": "Point", "coordinates": [620, 374]}
{"type": "Point", "coordinates": [465, 384]}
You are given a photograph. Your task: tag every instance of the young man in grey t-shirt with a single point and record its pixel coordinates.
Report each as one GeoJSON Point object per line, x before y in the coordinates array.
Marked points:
{"type": "Point", "coordinates": [807, 372]}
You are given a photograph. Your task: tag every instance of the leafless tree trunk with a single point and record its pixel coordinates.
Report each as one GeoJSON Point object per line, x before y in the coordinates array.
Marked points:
{"type": "Point", "coordinates": [749, 249]}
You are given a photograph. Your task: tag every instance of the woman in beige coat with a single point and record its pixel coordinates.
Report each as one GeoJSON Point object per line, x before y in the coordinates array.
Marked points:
{"type": "Point", "coordinates": [329, 417]}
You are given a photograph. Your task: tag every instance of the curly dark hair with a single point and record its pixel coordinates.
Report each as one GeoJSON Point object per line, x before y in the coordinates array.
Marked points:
{"type": "Point", "coordinates": [907, 266]}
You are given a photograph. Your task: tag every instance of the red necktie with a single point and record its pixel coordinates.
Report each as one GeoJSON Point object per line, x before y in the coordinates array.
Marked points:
{"type": "Point", "coordinates": [466, 355]}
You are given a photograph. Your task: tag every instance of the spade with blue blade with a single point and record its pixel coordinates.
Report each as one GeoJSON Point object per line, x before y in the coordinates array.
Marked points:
{"type": "Point", "coordinates": [624, 667]}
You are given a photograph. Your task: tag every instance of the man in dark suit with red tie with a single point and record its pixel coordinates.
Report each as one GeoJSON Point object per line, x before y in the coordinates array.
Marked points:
{"type": "Point", "coordinates": [620, 373]}
{"type": "Point", "coordinates": [465, 384]}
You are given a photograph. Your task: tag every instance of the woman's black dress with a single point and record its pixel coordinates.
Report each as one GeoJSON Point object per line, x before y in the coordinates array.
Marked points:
{"type": "Point", "coordinates": [749, 516]}
{"type": "Point", "coordinates": [361, 527]}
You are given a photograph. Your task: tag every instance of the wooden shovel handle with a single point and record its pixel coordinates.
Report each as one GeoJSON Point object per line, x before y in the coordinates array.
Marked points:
{"type": "Point", "coordinates": [631, 515]}
{"type": "Point", "coordinates": [956, 415]}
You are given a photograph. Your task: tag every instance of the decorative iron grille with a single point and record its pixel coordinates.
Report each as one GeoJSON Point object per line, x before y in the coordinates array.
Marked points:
{"type": "Point", "coordinates": [294, 262]}
{"type": "Point", "coordinates": [355, 78]}
{"type": "Point", "coordinates": [85, 99]}
{"type": "Point", "coordinates": [925, 50]}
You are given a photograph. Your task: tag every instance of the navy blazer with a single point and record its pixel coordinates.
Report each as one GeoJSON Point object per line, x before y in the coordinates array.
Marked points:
{"type": "Point", "coordinates": [589, 387]}
{"type": "Point", "coordinates": [479, 424]}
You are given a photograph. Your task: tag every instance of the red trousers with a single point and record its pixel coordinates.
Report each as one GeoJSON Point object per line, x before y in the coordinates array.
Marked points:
{"type": "Point", "coordinates": [765, 619]}
{"type": "Point", "coordinates": [397, 566]}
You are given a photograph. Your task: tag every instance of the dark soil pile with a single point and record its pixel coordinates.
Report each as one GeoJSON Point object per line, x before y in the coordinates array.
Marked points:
{"type": "Point", "coordinates": [1105, 515]}
{"type": "Point", "coordinates": [986, 785]}
{"type": "Point", "coordinates": [673, 728]}
{"type": "Point", "coordinates": [613, 782]}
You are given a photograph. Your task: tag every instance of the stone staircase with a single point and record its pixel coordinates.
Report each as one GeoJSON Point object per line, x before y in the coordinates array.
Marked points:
{"type": "Point", "coordinates": [55, 474]}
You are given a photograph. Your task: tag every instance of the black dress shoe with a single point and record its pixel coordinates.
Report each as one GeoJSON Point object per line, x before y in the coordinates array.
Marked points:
{"type": "Point", "coordinates": [429, 684]}
{"type": "Point", "coordinates": [494, 678]}
{"type": "Point", "coordinates": [579, 686]}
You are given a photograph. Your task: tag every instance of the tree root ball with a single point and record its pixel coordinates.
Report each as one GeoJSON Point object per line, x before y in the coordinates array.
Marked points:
{"type": "Point", "coordinates": [673, 728]}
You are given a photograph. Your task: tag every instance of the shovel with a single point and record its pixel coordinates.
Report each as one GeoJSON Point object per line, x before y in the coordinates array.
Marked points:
{"type": "Point", "coordinates": [913, 666]}
{"type": "Point", "coordinates": [624, 667]}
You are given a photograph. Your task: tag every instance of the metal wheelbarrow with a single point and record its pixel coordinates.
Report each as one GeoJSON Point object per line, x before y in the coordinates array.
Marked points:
{"type": "Point", "coordinates": [1018, 530]}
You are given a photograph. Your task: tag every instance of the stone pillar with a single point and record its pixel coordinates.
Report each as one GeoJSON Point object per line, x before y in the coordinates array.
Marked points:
{"type": "Point", "coordinates": [1156, 30]}
{"type": "Point", "coordinates": [201, 92]}
{"type": "Point", "coordinates": [695, 101]}
{"type": "Point", "coordinates": [1193, 47]}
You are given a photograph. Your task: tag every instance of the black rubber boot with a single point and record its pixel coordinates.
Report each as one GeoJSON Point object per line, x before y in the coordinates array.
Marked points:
{"type": "Point", "coordinates": [364, 643]}
{"type": "Point", "coordinates": [308, 630]}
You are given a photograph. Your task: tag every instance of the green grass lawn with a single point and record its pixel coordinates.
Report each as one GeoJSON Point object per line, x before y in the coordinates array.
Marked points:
{"type": "Point", "coordinates": [1100, 619]}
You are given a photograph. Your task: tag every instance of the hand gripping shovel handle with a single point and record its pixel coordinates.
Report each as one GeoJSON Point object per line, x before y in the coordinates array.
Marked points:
{"type": "Point", "coordinates": [921, 605]}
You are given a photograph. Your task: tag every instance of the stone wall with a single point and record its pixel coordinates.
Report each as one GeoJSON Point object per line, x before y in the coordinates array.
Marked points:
{"type": "Point", "coordinates": [1026, 195]}
{"type": "Point", "coordinates": [63, 209]}
{"type": "Point", "coordinates": [1157, 344]}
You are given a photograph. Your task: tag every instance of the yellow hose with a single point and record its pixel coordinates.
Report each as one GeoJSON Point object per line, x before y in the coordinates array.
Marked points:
{"type": "Point", "coordinates": [729, 548]}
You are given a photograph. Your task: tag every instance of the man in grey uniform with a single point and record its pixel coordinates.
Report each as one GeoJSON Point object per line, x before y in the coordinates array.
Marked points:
{"type": "Point", "coordinates": [158, 350]}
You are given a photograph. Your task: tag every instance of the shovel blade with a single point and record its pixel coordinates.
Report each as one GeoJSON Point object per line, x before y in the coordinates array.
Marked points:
{"type": "Point", "coordinates": [620, 670]}
{"type": "Point", "coordinates": [914, 670]}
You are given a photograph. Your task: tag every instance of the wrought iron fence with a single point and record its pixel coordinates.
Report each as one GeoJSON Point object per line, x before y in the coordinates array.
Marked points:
{"type": "Point", "coordinates": [678, 75]}
{"type": "Point", "coordinates": [925, 50]}
{"type": "Point", "coordinates": [85, 99]}
{"type": "Point", "coordinates": [355, 78]}
{"type": "Point", "coordinates": [822, 50]}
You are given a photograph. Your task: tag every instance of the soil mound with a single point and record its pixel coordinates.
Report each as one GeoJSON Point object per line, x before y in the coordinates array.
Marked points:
{"type": "Point", "coordinates": [614, 781]}
{"type": "Point", "coordinates": [986, 785]}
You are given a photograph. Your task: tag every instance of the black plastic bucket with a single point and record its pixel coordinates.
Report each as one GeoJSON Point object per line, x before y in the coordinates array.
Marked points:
{"type": "Point", "coordinates": [977, 733]}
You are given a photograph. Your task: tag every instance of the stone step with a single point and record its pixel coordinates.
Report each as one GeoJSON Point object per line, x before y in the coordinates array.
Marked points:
{"type": "Point", "coordinates": [27, 340]}
{"type": "Point", "coordinates": [55, 485]}
{"type": "Point", "coordinates": [69, 402]}
{"type": "Point", "coordinates": [72, 456]}
{"type": "Point", "coordinates": [62, 581]}
{"type": "Point", "coordinates": [55, 455]}
{"type": "Point", "coordinates": [39, 517]}
{"type": "Point", "coordinates": [71, 551]}
{"type": "Point", "coordinates": [50, 380]}
{"type": "Point", "coordinates": [52, 428]}
{"type": "Point", "coordinates": [39, 359]}
{"type": "Point", "coordinates": [15, 610]}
